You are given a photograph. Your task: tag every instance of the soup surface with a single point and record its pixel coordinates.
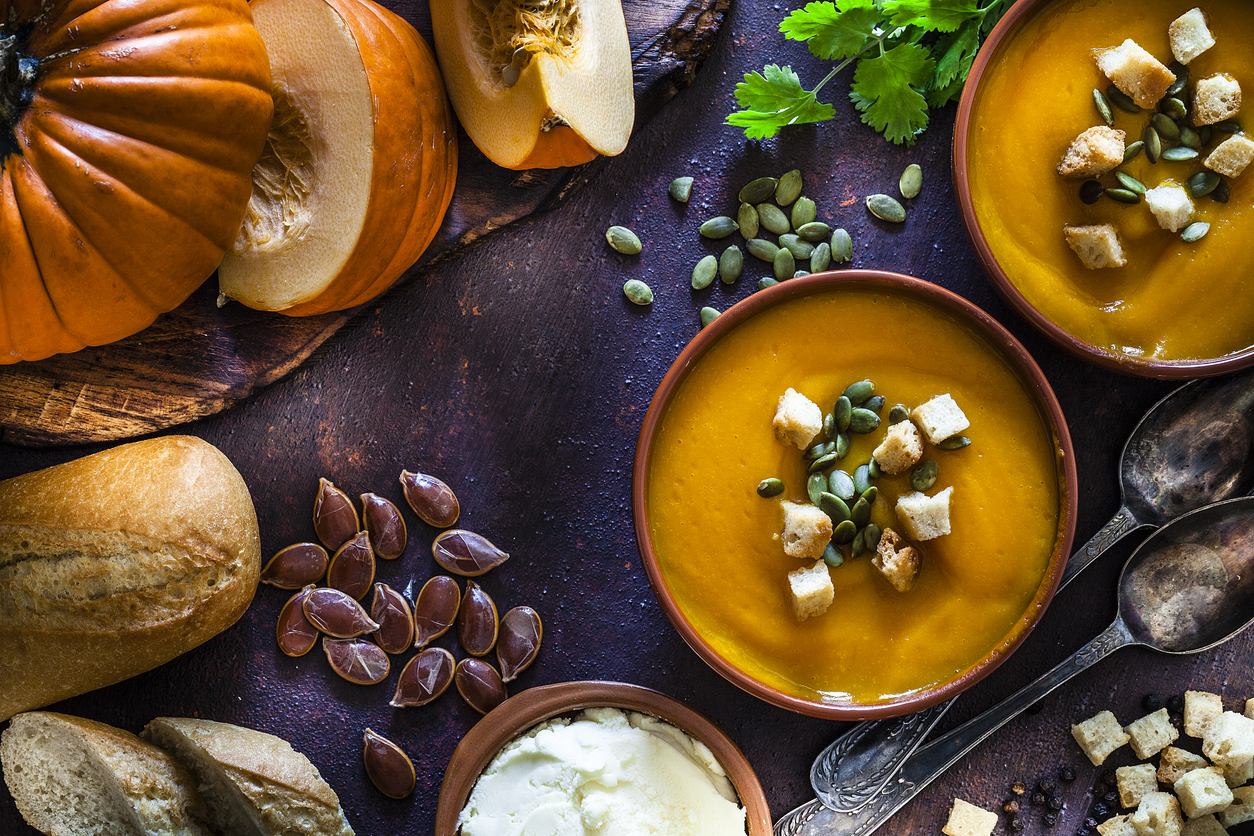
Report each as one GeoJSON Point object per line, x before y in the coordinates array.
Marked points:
{"type": "Point", "coordinates": [1172, 301]}
{"type": "Point", "coordinates": [717, 541]}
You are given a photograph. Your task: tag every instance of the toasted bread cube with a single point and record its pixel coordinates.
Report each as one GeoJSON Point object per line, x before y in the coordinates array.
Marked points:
{"type": "Point", "coordinates": [1240, 774]}
{"type": "Point", "coordinates": [1171, 205]}
{"type": "Point", "coordinates": [1118, 826]}
{"type": "Point", "coordinates": [1216, 98]}
{"type": "Point", "coordinates": [1099, 735]}
{"type": "Point", "coordinates": [968, 820]}
{"type": "Point", "coordinates": [1200, 709]}
{"type": "Point", "coordinates": [811, 590]}
{"type": "Point", "coordinates": [1229, 740]}
{"type": "Point", "coordinates": [1134, 71]}
{"type": "Point", "coordinates": [807, 530]}
{"type": "Point", "coordinates": [797, 419]}
{"type": "Point", "coordinates": [1151, 734]}
{"type": "Point", "coordinates": [1241, 809]}
{"type": "Point", "coordinates": [1231, 156]}
{"type": "Point", "coordinates": [896, 560]}
{"type": "Point", "coordinates": [1093, 153]}
{"type": "Point", "coordinates": [1134, 782]}
{"type": "Point", "coordinates": [940, 418]}
{"type": "Point", "coordinates": [1249, 709]}
{"type": "Point", "coordinates": [1203, 826]}
{"type": "Point", "coordinates": [901, 448]}
{"type": "Point", "coordinates": [1158, 815]}
{"type": "Point", "coordinates": [1190, 36]}
{"type": "Point", "coordinates": [924, 517]}
{"type": "Point", "coordinates": [1203, 791]}
{"type": "Point", "coordinates": [1174, 763]}
{"type": "Point", "coordinates": [1097, 245]}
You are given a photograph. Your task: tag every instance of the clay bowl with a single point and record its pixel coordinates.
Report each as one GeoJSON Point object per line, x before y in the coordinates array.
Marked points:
{"type": "Point", "coordinates": [1054, 461]}
{"type": "Point", "coordinates": [531, 707]}
{"type": "Point", "coordinates": [965, 132]}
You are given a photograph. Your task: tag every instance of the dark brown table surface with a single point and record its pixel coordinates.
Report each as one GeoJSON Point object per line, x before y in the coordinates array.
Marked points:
{"type": "Point", "coordinates": [521, 375]}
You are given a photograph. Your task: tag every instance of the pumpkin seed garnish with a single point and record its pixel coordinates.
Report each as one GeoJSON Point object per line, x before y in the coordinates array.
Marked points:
{"type": "Point", "coordinates": [955, 443]}
{"type": "Point", "coordinates": [1103, 107]}
{"type": "Point", "coordinates": [816, 486]}
{"type": "Point", "coordinates": [773, 218]}
{"type": "Point", "coordinates": [1181, 72]}
{"type": "Point", "coordinates": [842, 247]}
{"type": "Point", "coordinates": [822, 463]}
{"type": "Point", "coordinates": [637, 292]}
{"type": "Point", "coordinates": [843, 410]}
{"type": "Point", "coordinates": [704, 272]}
{"type": "Point", "coordinates": [784, 264]}
{"type": "Point", "coordinates": [1130, 183]}
{"type": "Point", "coordinates": [1167, 129]}
{"type": "Point", "coordinates": [841, 484]}
{"type": "Point", "coordinates": [1222, 192]}
{"type": "Point", "coordinates": [834, 507]}
{"type": "Point", "coordinates": [768, 488]}
{"type": "Point", "coordinates": [870, 493]}
{"type": "Point", "coordinates": [1153, 143]}
{"type": "Point", "coordinates": [832, 556]}
{"type": "Point", "coordinates": [761, 248]}
{"type": "Point", "coordinates": [681, 189]}
{"type": "Point", "coordinates": [804, 212]}
{"type": "Point", "coordinates": [1190, 138]}
{"type": "Point", "coordinates": [719, 227]}
{"type": "Point", "coordinates": [758, 190]}
{"type": "Point", "coordinates": [862, 478]}
{"type": "Point", "coordinates": [1173, 108]}
{"type": "Point", "coordinates": [842, 445]}
{"type": "Point", "coordinates": [900, 412]}
{"type": "Point", "coordinates": [623, 240]}
{"type": "Point", "coordinates": [1228, 126]}
{"type": "Point", "coordinates": [858, 547]}
{"type": "Point", "coordinates": [874, 403]}
{"type": "Point", "coordinates": [873, 470]}
{"type": "Point", "coordinates": [829, 426]}
{"type": "Point", "coordinates": [747, 217]}
{"type": "Point", "coordinates": [1133, 151]}
{"type": "Point", "coordinates": [708, 315]}
{"type": "Point", "coordinates": [1123, 195]}
{"type": "Point", "coordinates": [816, 451]}
{"type": "Point", "coordinates": [1204, 132]}
{"type": "Point", "coordinates": [730, 265]}
{"type": "Point", "coordinates": [1091, 191]}
{"type": "Point", "coordinates": [861, 512]}
{"type": "Point", "coordinates": [767, 281]}
{"type": "Point", "coordinates": [911, 182]}
{"type": "Point", "coordinates": [1203, 183]}
{"type": "Point", "coordinates": [858, 392]}
{"type": "Point", "coordinates": [799, 273]}
{"type": "Point", "coordinates": [844, 533]}
{"type": "Point", "coordinates": [924, 475]}
{"type": "Point", "coordinates": [814, 231]}
{"type": "Point", "coordinates": [1122, 100]}
{"type": "Point", "coordinates": [871, 534]}
{"type": "Point", "coordinates": [1180, 154]}
{"type": "Point", "coordinates": [1195, 232]}
{"type": "Point", "coordinates": [789, 188]}
{"type": "Point", "coordinates": [886, 209]}
{"type": "Point", "coordinates": [799, 249]}
{"type": "Point", "coordinates": [863, 421]}
{"type": "Point", "coordinates": [821, 258]}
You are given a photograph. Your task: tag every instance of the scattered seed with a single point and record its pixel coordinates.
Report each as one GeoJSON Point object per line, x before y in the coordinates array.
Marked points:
{"type": "Point", "coordinates": [708, 315]}
{"type": "Point", "coordinates": [352, 567]}
{"type": "Point", "coordinates": [799, 273]}
{"type": "Point", "coordinates": [859, 392]}
{"type": "Point", "coordinates": [1130, 183]}
{"type": "Point", "coordinates": [1123, 195]}
{"type": "Point", "coordinates": [861, 512]}
{"type": "Point", "coordinates": [1195, 232]}
{"type": "Point", "coordinates": [637, 292]}
{"type": "Point", "coordinates": [1181, 72]}
{"type": "Point", "coordinates": [829, 426]}
{"type": "Point", "coordinates": [1180, 154]}
{"type": "Point", "coordinates": [842, 445]}
{"type": "Point", "coordinates": [873, 471]}
{"type": "Point", "coordinates": [360, 661]}
{"type": "Point", "coordinates": [858, 547]}
{"type": "Point", "coordinates": [1222, 192]}
{"type": "Point", "coordinates": [784, 264]}
{"type": "Point", "coordinates": [1167, 129]}
{"type": "Point", "coordinates": [1202, 183]}
{"type": "Point", "coordinates": [823, 463]}
{"type": "Point", "coordinates": [834, 507]}
{"type": "Point", "coordinates": [800, 250]}
{"type": "Point", "coordinates": [1133, 151]}
{"type": "Point", "coordinates": [719, 227]}
{"type": "Point", "coordinates": [844, 532]}
{"type": "Point", "coordinates": [874, 403]}
{"type": "Point", "coordinates": [1190, 138]}
{"type": "Point", "coordinates": [833, 557]}
{"type": "Point", "coordinates": [911, 182]}
{"type": "Point", "coordinates": [1091, 191]}
{"type": "Point", "coordinates": [816, 485]}
{"type": "Point", "coordinates": [1204, 132]}
{"type": "Point", "coordinates": [389, 768]}
{"type": "Point", "coordinates": [623, 240]}
{"type": "Point", "coordinates": [818, 451]}
{"type": "Point", "coordinates": [433, 501]}
{"type": "Point", "coordinates": [862, 478]}
{"type": "Point", "coordinates": [1228, 126]}
{"type": "Point", "coordinates": [435, 611]}
{"type": "Point", "coordinates": [842, 247]}
{"type": "Point", "coordinates": [747, 218]}
{"type": "Point", "coordinates": [295, 634]}
{"type": "Point", "coordinates": [1121, 100]}
{"type": "Point", "coordinates": [424, 677]}
{"type": "Point", "coordinates": [773, 218]}
{"type": "Point", "coordinates": [1103, 107]}
{"type": "Point", "coordinates": [886, 209]}
{"type": "Point", "coordinates": [1173, 108]}
{"type": "Point", "coordinates": [871, 534]}
{"type": "Point", "coordinates": [1153, 143]}
{"type": "Point", "coordinates": [789, 188]}
{"type": "Point", "coordinates": [957, 442]}
{"type": "Point", "coordinates": [477, 622]}
{"type": "Point", "coordinates": [480, 685]}
{"type": "Point", "coordinates": [334, 517]}
{"type": "Point", "coordinates": [840, 483]}
{"type": "Point", "coordinates": [704, 272]}
{"type": "Point", "coordinates": [391, 611]}
{"type": "Point", "coordinates": [519, 644]}
{"type": "Point", "coordinates": [924, 475]}
{"type": "Point", "coordinates": [295, 566]}
{"type": "Point", "coordinates": [900, 412]}
{"type": "Point", "coordinates": [761, 248]}
{"type": "Point", "coordinates": [804, 212]}
{"type": "Point", "coordinates": [730, 265]}
{"type": "Point", "coordinates": [814, 231]}
{"type": "Point", "coordinates": [337, 614]}
{"type": "Point", "coordinates": [768, 488]}
{"type": "Point", "coordinates": [767, 281]}
{"type": "Point", "coordinates": [466, 553]}
{"type": "Point", "coordinates": [758, 190]}
{"type": "Point", "coordinates": [843, 410]}
{"type": "Point", "coordinates": [821, 258]}
{"type": "Point", "coordinates": [681, 189]}
{"type": "Point", "coordinates": [385, 526]}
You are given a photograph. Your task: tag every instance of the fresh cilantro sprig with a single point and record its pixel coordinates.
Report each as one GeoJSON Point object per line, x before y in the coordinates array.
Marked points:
{"type": "Point", "coordinates": [910, 54]}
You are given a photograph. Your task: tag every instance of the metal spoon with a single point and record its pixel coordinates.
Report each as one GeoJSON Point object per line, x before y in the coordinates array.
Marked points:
{"type": "Point", "coordinates": [1193, 447]}
{"type": "Point", "coordinates": [1187, 588]}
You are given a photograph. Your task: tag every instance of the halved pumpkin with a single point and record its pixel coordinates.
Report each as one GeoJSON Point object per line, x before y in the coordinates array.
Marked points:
{"type": "Point", "coordinates": [360, 162]}
{"type": "Point", "coordinates": [538, 83]}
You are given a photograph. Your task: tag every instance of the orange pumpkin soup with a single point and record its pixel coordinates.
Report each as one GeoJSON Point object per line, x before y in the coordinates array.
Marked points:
{"type": "Point", "coordinates": [716, 540]}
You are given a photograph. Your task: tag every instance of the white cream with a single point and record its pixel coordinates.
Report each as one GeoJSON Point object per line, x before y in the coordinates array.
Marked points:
{"type": "Point", "coordinates": [605, 773]}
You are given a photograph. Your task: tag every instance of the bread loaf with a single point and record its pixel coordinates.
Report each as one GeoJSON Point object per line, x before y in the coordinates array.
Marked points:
{"type": "Point", "coordinates": [117, 562]}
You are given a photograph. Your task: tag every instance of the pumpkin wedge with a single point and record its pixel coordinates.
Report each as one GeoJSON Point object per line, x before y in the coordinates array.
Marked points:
{"type": "Point", "coordinates": [359, 165]}
{"type": "Point", "coordinates": [538, 83]}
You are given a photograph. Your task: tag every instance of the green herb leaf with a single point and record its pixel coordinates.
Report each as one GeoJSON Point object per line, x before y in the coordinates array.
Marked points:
{"type": "Point", "coordinates": [932, 15]}
{"type": "Point", "coordinates": [884, 90]}
{"type": "Point", "coordinates": [775, 99]}
{"type": "Point", "coordinates": [833, 30]}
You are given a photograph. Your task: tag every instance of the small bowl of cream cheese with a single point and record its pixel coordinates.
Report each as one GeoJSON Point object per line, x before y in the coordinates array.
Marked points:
{"type": "Point", "coordinates": [603, 759]}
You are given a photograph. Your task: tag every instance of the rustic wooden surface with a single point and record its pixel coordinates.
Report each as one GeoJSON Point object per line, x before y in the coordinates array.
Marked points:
{"type": "Point", "coordinates": [199, 359]}
{"type": "Point", "coordinates": [521, 375]}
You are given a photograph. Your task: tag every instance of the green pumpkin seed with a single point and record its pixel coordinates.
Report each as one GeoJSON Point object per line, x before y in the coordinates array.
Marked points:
{"type": "Point", "coordinates": [844, 533]}
{"type": "Point", "coordinates": [1091, 191]}
{"type": "Point", "coordinates": [834, 507]}
{"type": "Point", "coordinates": [1133, 151]}
{"type": "Point", "coordinates": [872, 492]}
{"type": "Point", "coordinates": [886, 209]}
{"type": "Point", "coordinates": [832, 556]}
{"type": "Point", "coordinates": [821, 258]}
{"type": "Point", "coordinates": [804, 212]}
{"type": "Point", "coordinates": [1190, 138]}
{"type": "Point", "coordinates": [1130, 183]}
{"type": "Point", "coordinates": [799, 273]}
{"type": "Point", "coordinates": [623, 240]}
{"type": "Point", "coordinates": [862, 478]}
{"type": "Point", "coordinates": [1173, 109]}
{"type": "Point", "coordinates": [800, 249]}
{"type": "Point", "coordinates": [768, 488]}
{"type": "Point", "coordinates": [1123, 195]}
{"type": "Point", "coordinates": [873, 470]}
{"type": "Point", "coordinates": [1180, 154]}
{"type": "Point", "coordinates": [841, 483]}
{"type": "Point", "coordinates": [900, 412]}
{"type": "Point", "coordinates": [842, 445]}
{"type": "Point", "coordinates": [637, 292]}
{"type": "Point", "coordinates": [1203, 183]}
{"type": "Point", "coordinates": [957, 442]}
{"type": "Point", "coordinates": [1228, 126]}
{"type": "Point", "coordinates": [924, 475]}
{"type": "Point", "coordinates": [872, 534]}
{"type": "Point", "coordinates": [1103, 107]}
{"type": "Point", "coordinates": [789, 188]}
{"type": "Point", "coordinates": [705, 271]}
{"type": "Point", "coordinates": [773, 218]}
{"type": "Point", "coordinates": [1195, 232]}
{"type": "Point", "coordinates": [708, 315]}
{"type": "Point", "coordinates": [730, 265]}
{"type": "Point", "coordinates": [842, 247]}
{"type": "Point", "coordinates": [829, 426]}
{"type": "Point", "coordinates": [761, 248]}
{"type": "Point", "coordinates": [758, 190]}
{"type": "Point", "coordinates": [816, 484]}
{"type": "Point", "coordinates": [1122, 100]}
{"type": "Point", "coordinates": [874, 403]}
{"type": "Point", "coordinates": [784, 265]}
{"type": "Point", "coordinates": [767, 281]}
{"type": "Point", "coordinates": [814, 231]}
{"type": "Point", "coordinates": [1153, 143]}
{"type": "Point", "coordinates": [681, 189]}
{"type": "Point", "coordinates": [858, 547]}
{"type": "Point", "coordinates": [1167, 129]}
{"type": "Point", "coordinates": [818, 451]}
{"type": "Point", "coordinates": [911, 182]}
{"type": "Point", "coordinates": [858, 392]}
{"type": "Point", "coordinates": [861, 512]}
{"type": "Point", "coordinates": [1204, 133]}
{"type": "Point", "coordinates": [719, 227]}
{"type": "Point", "coordinates": [1221, 192]}
{"type": "Point", "coordinates": [1181, 72]}
{"type": "Point", "coordinates": [822, 463]}
{"type": "Point", "coordinates": [842, 410]}
{"type": "Point", "coordinates": [747, 217]}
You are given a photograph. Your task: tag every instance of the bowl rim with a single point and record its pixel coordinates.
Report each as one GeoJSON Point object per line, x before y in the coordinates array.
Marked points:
{"type": "Point", "coordinates": [533, 706]}
{"type": "Point", "coordinates": [998, 339]}
{"type": "Point", "coordinates": [1018, 15]}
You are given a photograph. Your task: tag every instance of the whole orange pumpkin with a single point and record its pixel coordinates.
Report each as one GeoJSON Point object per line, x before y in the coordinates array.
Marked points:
{"type": "Point", "coordinates": [128, 134]}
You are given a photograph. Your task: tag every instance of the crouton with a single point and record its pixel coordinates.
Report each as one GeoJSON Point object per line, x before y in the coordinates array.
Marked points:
{"type": "Point", "coordinates": [924, 517]}
{"type": "Point", "coordinates": [1134, 782]}
{"type": "Point", "coordinates": [1241, 809]}
{"type": "Point", "coordinates": [968, 820]}
{"type": "Point", "coordinates": [1174, 763]}
{"type": "Point", "coordinates": [1216, 98]}
{"type": "Point", "coordinates": [811, 590]}
{"type": "Point", "coordinates": [1190, 36]}
{"type": "Point", "coordinates": [1135, 72]}
{"type": "Point", "coordinates": [1231, 156]}
{"type": "Point", "coordinates": [1158, 815]}
{"type": "Point", "coordinates": [1097, 245]}
{"type": "Point", "coordinates": [1118, 826]}
{"type": "Point", "coordinates": [940, 418]}
{"type": "Point", "coordinates": [1240, 774]}
{"type": "Point", "coordinates": [1093, 153]}
{"type": "Point", "coordinates": [897, 561]}
{"type": "Point", "coordinates": [901, 448]}
{"type": "Point", "coordinates": [1203, 826]}
{"type": "Point", "coordinates": [807, 530]}
{"type": "Point", "coordinates": [1229, 740]}
{"type": "Point", "coordinates": [1171, 205]}
{"type": "Point", "coordinates": [1098, 736]}
{"type": "Point", "coordinates": [1202, 792]}
{"type": "Point", "coordinates": [1200, 708]}
{"type": "Point", "coordinates": [1249, 709]}
{"type": "Point", "coordinates": [1151, 734]}
{"type": "Point", "coordinates": [797, 419]}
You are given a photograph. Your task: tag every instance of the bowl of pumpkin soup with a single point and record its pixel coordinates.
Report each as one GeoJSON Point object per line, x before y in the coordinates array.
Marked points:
{"type": "Point", "coordinates": [1101, 168]}
{"type": "Point", "coordinates": [751, 484]}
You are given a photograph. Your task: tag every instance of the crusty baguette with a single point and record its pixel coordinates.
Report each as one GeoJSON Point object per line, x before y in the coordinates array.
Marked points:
{"type": "Point", "coordinates": [255, 784]}
{"type": "Point", "coordinates": [115, 563]}
{"type": "Point", "coordinates": [76, 777]}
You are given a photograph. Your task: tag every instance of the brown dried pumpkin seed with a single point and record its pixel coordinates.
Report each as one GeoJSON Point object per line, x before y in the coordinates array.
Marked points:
{"type": "Point", "coordinates": [390, 611]}
{"type": "Point", "coordinates": [424, 677]}
{"type": "Point", "coordinates": [295, 566]}
{"type": "Point", "coordinates": [360, 661]}
{"type": "Point", "coordinates": [477, 623]}
{"type": "Point", "coordinates": [337, 614]}
{"type": "Point", "coordinates": [352, 567]}
{"type": "Point", "coordinates": [389, 768]}
{"type": "Point", "coordinates": [432, 500]}
{"type": "Point", "coordinates": [385, 525]}
{"type": "Point", "coordinates": [519, 642]}
{"type": "Point", "coordinates": [480, 685]}
{"type": "Point", "coordinates": [466, 553]}
{"type": "Point", "coordinates": [436, 609]}
{"type": "Point", "coordinates": [295, 634]}
{"type": "Point", "coordinates": [334, 517]}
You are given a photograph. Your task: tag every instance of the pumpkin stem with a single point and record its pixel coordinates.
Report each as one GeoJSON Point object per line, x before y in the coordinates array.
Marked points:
{"type": "Point", "coordinates": [17, 87]}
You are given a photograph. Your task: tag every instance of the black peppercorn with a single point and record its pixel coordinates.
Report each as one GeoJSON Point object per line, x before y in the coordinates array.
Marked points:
{"type": "Point", "coordinates": [1055, 803]}
{"type": "Point", "coordinates": [1152, 702]}
{"type": "Point", "coordinates": [1101, 788]}
{"type": "Point", "coordinates": [1100, 811]}
{"type": "Point", "coordinates": [1084, 831]}
{"type": "Point", "coordinates": [1111, 797]}
{"type": "Point", "coordinates": [1016, 823]}
{"type": "Point", "coordinates": [1050, 819]}
{"type": "Point", "coordinates": [1047, 786]}
{"type": "Point", "coordinates": [1038, 798]}
{"type": "Point", "coordinates": [1175, 704]}
{"type": "Point", "coordinates": [1011, 806]}
{"type": "Point", "coordinates": [1067, 774]}
{"type": "Point", "coordinates": [1110, 778]}
{"type": "Point", "coordinates": [1090, 822]}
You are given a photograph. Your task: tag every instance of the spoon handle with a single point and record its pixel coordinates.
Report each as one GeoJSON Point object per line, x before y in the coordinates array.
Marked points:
{"type": "Point", "coordinates": [1120, 525]}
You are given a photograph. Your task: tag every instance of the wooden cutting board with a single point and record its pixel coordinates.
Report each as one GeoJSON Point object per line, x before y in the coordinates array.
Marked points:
{"type": "Point", "coordinates": [200, 359]}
